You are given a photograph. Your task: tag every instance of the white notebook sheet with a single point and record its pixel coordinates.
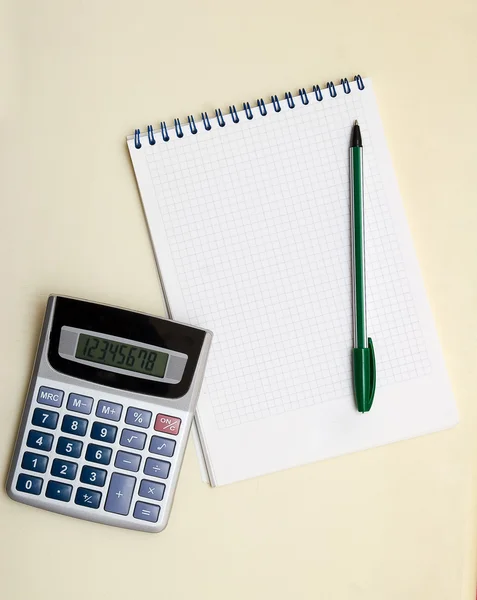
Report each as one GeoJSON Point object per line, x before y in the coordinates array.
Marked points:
{"type": "Point", "coordinates": [250, 224]}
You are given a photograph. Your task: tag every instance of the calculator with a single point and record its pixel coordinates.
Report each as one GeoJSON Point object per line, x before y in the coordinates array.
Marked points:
{"type": "Point", "coordinates": [108, 414]}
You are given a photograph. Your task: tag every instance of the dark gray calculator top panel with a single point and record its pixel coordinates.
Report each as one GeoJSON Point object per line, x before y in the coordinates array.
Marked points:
{"type": "Point", "coordinates": [129, 325]}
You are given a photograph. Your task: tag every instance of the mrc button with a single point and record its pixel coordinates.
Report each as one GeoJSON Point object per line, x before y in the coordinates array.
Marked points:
{"type": "Point", "coordinates": [167, 424]}
{"type": "Point", "coordinates": [50, 396]}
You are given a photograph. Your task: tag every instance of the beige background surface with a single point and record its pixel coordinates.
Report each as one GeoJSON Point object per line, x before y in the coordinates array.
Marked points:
{"type": "Point", "coordinates": [77, 77]}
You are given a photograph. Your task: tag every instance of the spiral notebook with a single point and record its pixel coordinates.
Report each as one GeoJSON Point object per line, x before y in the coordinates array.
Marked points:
{"type": "Point", "coordinates": [249, 216]}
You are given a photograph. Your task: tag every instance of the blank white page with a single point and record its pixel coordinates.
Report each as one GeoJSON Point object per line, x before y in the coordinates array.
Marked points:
{"type": "Point", "coordinates": [250, 224]}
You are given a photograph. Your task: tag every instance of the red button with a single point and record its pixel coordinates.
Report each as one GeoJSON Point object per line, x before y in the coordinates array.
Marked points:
{"type": "Point", "coordinates": [167, 424]}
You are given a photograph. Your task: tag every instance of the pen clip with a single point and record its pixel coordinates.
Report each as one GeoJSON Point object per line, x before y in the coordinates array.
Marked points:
{"type": "Point", "coordinates": [372, 373]}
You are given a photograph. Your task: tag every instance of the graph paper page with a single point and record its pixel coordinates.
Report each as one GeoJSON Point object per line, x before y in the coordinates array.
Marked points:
{"type": "Point", "coordinates": [250, 224]}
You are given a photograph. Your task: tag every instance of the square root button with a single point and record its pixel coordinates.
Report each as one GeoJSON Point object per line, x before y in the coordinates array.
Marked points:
{"type": "Point", "coordinates": [167, 424]}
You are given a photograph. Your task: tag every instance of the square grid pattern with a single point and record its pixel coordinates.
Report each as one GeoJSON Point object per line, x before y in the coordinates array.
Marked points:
{"type": "Point", "coordinates": [258, 221]}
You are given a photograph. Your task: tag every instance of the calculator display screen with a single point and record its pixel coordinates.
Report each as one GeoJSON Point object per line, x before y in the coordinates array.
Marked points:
{"type": "Point", "coordinates": [121, 355]}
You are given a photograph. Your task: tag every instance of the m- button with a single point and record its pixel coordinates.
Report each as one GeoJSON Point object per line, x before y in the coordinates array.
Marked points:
{"type": "Point", "coordinates": [80, 404]}
{"type": "Point", "coordinates": [50, 396]}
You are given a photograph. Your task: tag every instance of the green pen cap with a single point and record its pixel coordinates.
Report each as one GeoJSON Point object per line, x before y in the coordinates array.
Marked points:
{"type": "Point", "coordinates": [364, 375]}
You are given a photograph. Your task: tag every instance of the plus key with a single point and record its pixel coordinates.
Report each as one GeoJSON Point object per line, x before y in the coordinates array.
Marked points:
{"type": "Point", "coordinates": [167, 424]}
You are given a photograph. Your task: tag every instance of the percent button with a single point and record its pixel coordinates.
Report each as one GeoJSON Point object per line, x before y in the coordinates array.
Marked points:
{"type": "Point", "coordinates": [138, 417]}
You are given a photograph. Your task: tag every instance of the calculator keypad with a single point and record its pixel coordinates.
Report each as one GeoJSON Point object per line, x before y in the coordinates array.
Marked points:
{"type": "Point", "coordinates": [122, 458]}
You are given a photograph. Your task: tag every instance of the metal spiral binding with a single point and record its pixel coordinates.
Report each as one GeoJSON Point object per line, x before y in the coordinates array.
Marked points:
{"type": "Point", "coordinates": [165, 134]}
{"type": "Point", "coordinates": [346, 86]}
{"type": "Point", "coordinates": [205, 120]}
{"type": "Point", "coordinates": [276, 103]}
{"type": "Point", "coordinates": [192, 125]}
{"type": "Point", "coordinates": [150, 135]}
{"type": "Point", "coordinates": [289, 99]}
{"type": "Point", "coordinates": [359, 82]}
{"type": "Point", "coordinates": [331, 88]}
{"type": "Point", "coordinates": [247, 109]}
{"type": "Point", "coordinates": [303, 96]}
{"type": "Point", "coordinates": [220, 117]}
{"type": "Point", "coordinates": [178, 128]}
{"type": "Point", "coordinates": [318, 94]}
{"type": "Point", "coordinates": [261, 106]}
{"type": "Point", "coordinates": [137, 140]}
{"type": "Point", "coordinates": [234, 113]}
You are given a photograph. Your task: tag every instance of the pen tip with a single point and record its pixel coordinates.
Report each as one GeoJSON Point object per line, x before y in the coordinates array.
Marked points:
{"type": "Point", "coordinates": [356, 122]}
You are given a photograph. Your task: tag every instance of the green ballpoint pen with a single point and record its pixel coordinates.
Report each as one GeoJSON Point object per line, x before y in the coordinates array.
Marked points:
{"type": "Point", "coordinates": [364, 363]}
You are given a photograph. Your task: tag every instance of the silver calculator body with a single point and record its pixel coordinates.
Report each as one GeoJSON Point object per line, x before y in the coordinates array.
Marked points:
{"type": "Point", "coordinates": [108, 414]}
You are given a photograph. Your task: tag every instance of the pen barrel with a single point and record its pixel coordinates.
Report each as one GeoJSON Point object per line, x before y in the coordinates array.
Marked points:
{"type": "Point", "coordinates": [358, 258]}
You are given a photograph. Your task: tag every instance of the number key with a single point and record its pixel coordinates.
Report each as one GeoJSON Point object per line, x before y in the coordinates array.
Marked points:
{"type": "Point", "coordinates": [98, 454]}
{"type": "Point", "coordinates": [45, 418]}
{"type": "Point", "coordinates": [34, 462]}
{"type": "Point", "coordinates": [39, 440]}
{"type": "Point", "coordinates": [69, 447]}
{"type": "Point", "coordinates": [64, 468]}
{"type": "Point", "coordinates": [104, 432]}
{"type": "Point", "coordinates": [93, 476]}
{"type": "Point", "coordinates": [29, 484]}
{"type": "Point", "coordinates": [74, 425]}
